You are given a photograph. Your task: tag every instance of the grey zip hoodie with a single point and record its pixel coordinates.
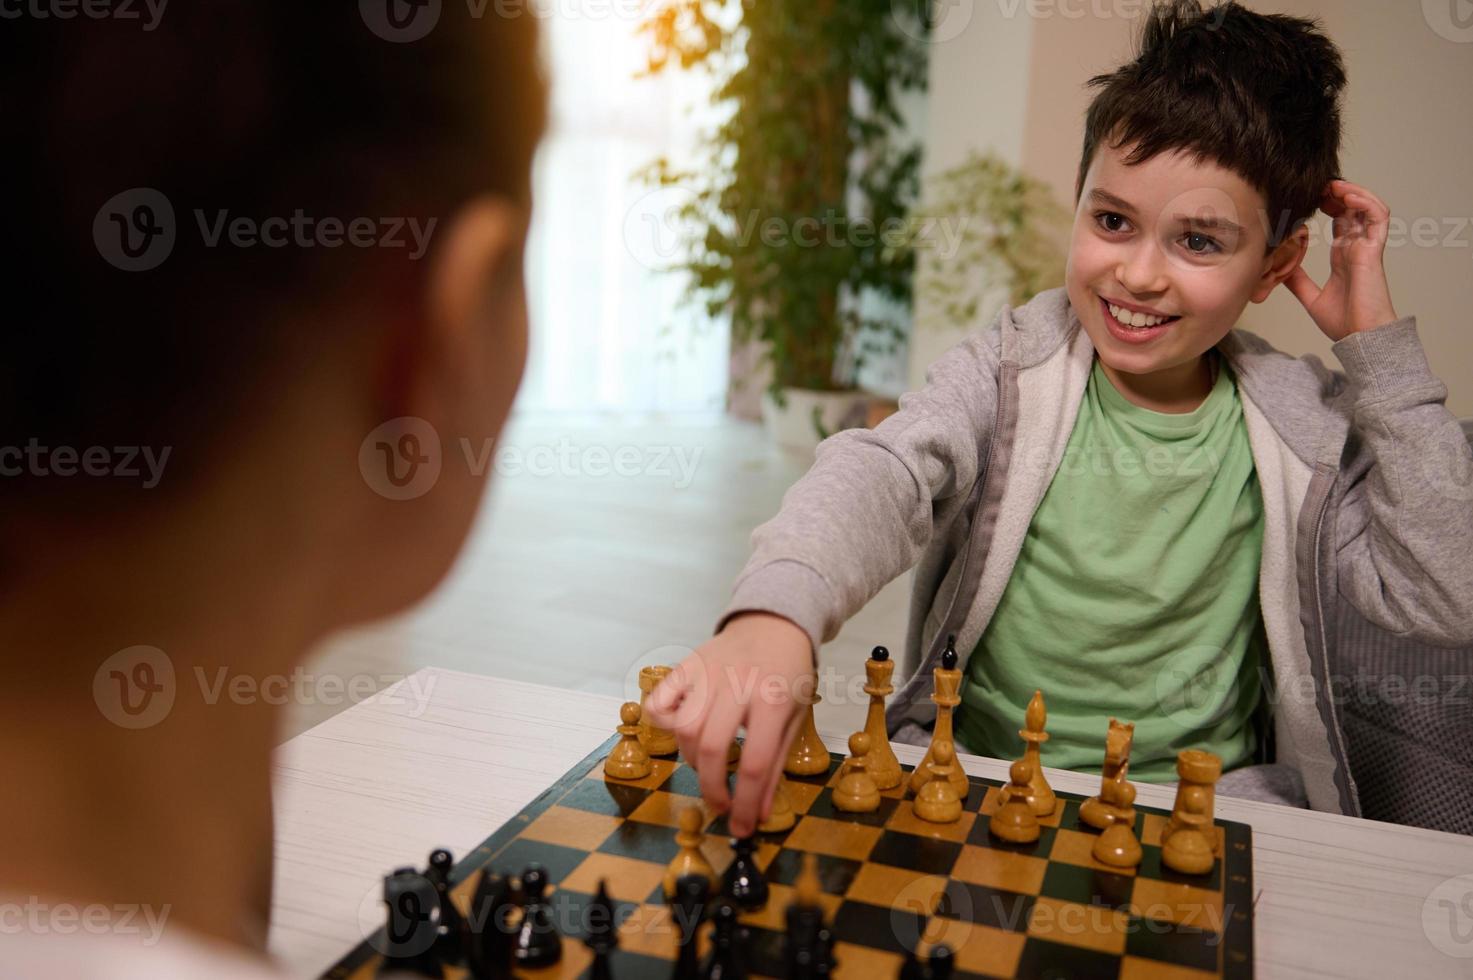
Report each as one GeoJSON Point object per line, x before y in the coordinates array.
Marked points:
{"type": "Point", "coordinates": [1367, 485]}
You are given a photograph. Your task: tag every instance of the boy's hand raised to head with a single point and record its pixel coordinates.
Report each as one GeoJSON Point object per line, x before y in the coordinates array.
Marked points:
{"type": "Point", "coordinates": [756, 672]}
{"type": "Point", "coordinates": [1356, 297]}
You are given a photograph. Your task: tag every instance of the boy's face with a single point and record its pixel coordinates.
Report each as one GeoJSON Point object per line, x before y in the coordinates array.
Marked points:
{"type": "Point", "coordinates": [1170, 236]}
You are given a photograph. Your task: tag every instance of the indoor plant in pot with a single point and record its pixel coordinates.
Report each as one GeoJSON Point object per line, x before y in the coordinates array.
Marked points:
{"type": "Point", "coordinates": [799, 208]}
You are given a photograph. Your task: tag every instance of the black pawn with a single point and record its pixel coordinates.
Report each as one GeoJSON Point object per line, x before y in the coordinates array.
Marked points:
{"type": "Point", "coordinates": [743, 882]}
{"type": "Point", "coordinates": [603, 933]}
{"type": "Point", "coordinates": [948, 656]}
{"type": "Point", "coordinates": [691, 894]}
{"type": "Point", "coordinates": [725, 961]}
{"type": "Point", "coordinates": [490, 927]}
{"type": "Point", "coordinates": [823, 954]}
{"type": "Point", "coordinates": [452, 938]}
{"type": "Point", "coordinates": [940, 963]}
{"type": "Point", "coordinates": [409, 933]}
{"type": "Point", "coordinates": [803, 940]}
{"type": "Point", "coordinates": [537, 943]}
{"type": "Point", "coordinates": [880, 653]}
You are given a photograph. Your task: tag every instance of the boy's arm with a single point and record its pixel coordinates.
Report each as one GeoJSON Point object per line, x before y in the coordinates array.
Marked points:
{"type": "Point", "coordinates": [1405, 527]}
{"type": "Point", "coordinates": [867, 508]}
{"type": "Point", "coordinates": [862, 515]}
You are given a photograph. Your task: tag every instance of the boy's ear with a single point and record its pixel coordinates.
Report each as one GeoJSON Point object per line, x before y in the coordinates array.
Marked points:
{"type": "Point", "coordinates": [1281, 263]}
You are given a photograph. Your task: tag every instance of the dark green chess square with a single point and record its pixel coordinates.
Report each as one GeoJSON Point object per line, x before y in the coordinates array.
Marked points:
{"type": "Point", "coordinates": [1056, 961]}
{"type": "Point", "coordinates": [823, 806]}
{"type": "Point", "coordinates": [720, 828]}
{"type": "Point", "coordinates": [835, 874]}
{"type": "Point", "coordinates": [762, 953]}
{"type": "Point", "coordinates": [610, 799]}
{"type": "Point", "coordinates": [894, 930]}
{"type": "Point", "coordinates": [1086, 886]}
{"type": "Point", "coordinates": [624, 963]}
{"type": "Point", "coordinates": [573, 915]}
{"type": "Point", "coordinates": [686, 781]}
{"type": "Point", "coordinates": [927, 855]}
{"type": "Point", "coordinates": [982, 905]}
{"type": "Point", "coordinates": [977, 794]}
{"type": "Point", "coordinates": [650, 842]}
{"type": "Point", "coordinates": [1171, 943]}
{"type": "Point", "coordinates": [556, 860]}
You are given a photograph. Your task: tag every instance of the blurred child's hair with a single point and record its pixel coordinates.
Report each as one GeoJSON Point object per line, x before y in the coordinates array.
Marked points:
{"type": "Point", "coordinates": [251, 108]}
{"type": "Point", "coordinates": [1258, 94]}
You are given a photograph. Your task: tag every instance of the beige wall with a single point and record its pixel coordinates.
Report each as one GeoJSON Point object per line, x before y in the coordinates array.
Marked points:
{"type": "Point", "coordinates": [1409, 138]}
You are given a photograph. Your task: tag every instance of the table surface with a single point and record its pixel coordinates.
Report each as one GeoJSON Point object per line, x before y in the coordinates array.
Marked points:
{"type": "Point", "coordinates": [443, 758]}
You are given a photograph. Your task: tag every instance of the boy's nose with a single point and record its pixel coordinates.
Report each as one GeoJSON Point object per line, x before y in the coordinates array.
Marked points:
{"type": "Point", "coordinates": [1142, 272]}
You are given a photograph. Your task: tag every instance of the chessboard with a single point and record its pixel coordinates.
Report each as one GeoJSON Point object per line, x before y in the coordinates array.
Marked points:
{"type": "Point", "coordinates": [893, 885]}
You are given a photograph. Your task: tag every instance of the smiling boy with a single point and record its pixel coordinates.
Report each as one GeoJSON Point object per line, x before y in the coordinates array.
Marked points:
{"type": "Point", "coordinates": [1112, 494]}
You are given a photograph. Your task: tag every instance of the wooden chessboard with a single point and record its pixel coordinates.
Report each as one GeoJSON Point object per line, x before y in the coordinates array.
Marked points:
{"type": "Point", "coordinates": [891, 882]}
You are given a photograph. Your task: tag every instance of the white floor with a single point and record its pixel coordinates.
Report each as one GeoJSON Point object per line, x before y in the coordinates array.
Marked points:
{"type": "Point", "coordinates": [576, 576]}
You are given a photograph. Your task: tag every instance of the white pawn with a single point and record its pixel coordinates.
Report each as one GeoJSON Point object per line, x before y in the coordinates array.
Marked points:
{"type": "Point", "coordinates": [938, 801]}
{"type": "Point", "coordinates": [628, 759]}
{"type": "Point", "coordinates": [857, 792]}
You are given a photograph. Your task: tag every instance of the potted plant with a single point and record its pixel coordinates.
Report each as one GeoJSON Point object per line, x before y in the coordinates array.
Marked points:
{"type": "Point", "coordinates": [799, 209]}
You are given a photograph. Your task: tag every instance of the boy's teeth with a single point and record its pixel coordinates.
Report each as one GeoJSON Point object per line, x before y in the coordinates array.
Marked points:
{"type": "Point", "coordinates": [1132, 319]}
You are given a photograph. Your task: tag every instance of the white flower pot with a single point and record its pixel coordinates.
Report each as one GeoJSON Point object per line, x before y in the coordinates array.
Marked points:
{"type": "Point", "coordinates": [793, 427]}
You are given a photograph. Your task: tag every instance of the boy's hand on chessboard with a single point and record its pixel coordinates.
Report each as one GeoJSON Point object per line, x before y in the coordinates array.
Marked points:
{"type": "Point", "coordinates": [753, 674]}
{"type": "Point", "coordinates": [1357, 296]}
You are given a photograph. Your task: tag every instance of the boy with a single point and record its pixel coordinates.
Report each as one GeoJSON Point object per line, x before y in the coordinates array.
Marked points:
{"type": "Point", "coordinates": [1113, 496]}
{"type": "Point", "coordinates": [257, 369]}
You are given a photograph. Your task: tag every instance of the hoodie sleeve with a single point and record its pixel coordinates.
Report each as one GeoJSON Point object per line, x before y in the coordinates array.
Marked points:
{"type": "Point", "coordinates": [873, 499]}
{"type": "Point", "coordinates": [1405, 530]}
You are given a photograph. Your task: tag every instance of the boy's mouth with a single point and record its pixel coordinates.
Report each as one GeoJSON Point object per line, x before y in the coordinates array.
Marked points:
{"type": "Point", "coordinates": [1131, 334]}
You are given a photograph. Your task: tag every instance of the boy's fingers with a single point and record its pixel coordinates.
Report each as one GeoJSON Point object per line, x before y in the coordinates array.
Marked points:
{"type": "Point", "coordinates": [762, 755]}
{"type": "Point", "coordinates": [1302, 286]}
{"type": "Point", "coordinates": [710, 757]}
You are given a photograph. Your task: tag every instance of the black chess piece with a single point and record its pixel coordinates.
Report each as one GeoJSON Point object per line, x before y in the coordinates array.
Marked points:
{"type": "Point", "coordinates": [948, 656]}
{"type": "Point", "coordinates": [803, 940]}
{"type": "Point", "coordinates": [537, 941]}
{"type": "Point", "coordinates": [452, 938]}
{"type": "Point", "coordinates": [410, 930]}
{"type": "Point", "coordinates": [880, 653]}
{"type": "Point", "coordinates": [691, 895]}
{"type": "Point", "coordinates": [603, 933]}
{"type": "Point", "coordinates": [824, 962]}
{"type": "Point", "coordinates": [912, 969]}
{"type": "Point", "coordinates": [743, 882]}
{"type": "Point", "coordinates": [941, 963]}
{"type": "Point", "coordinates": [725, 961]}
{"type": "Point", "coordinates": [492, 935]}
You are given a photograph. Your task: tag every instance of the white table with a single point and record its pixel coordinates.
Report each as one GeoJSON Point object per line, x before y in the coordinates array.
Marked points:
{"type": "Point", "coordinates": [444, 758]}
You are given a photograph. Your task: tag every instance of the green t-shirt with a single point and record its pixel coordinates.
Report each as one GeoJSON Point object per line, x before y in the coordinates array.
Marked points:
{"type": "Point", "coordinates": [1135, 594]}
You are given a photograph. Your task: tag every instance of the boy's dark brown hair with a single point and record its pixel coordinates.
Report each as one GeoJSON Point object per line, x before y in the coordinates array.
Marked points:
{"type": "Point", "coordinates": [256, 109]}
{"type": "Point", "coordinates": [1258, 94]}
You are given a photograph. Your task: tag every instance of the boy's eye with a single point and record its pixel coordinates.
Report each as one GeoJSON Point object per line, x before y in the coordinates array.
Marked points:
{"type": "Point", "coordinates": [1104, 219]}
{"type": "Point", "coordinates": [1208, 246]}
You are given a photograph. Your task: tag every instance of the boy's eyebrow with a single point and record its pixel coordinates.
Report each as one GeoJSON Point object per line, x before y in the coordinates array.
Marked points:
{"type": "Point", "coordinates": [1101, 196]}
